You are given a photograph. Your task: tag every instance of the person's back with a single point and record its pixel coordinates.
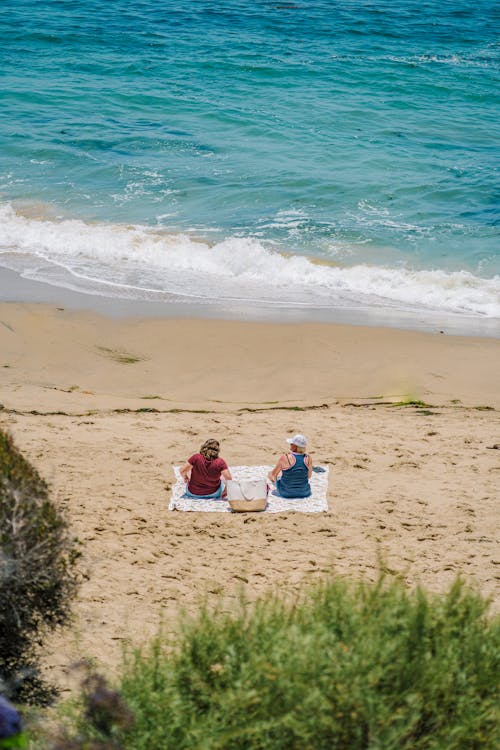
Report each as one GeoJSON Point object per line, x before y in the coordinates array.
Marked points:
{"type": "Point", "coordinates": [294, 481]}
{"type": "Point", "coordinates": [293, 470]}
{"type": "Point", "coordinates": [205, 472]}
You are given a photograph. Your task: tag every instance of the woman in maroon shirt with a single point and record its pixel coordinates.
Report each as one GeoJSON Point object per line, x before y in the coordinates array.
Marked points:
{"type": "Point", "coordinates": [204, 472]}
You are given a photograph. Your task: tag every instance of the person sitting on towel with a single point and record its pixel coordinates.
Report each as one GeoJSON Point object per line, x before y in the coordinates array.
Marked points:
{"type": "Point", "coordinates": [293, 470]}
{"type": "Point", "coordinates": [204, 473]}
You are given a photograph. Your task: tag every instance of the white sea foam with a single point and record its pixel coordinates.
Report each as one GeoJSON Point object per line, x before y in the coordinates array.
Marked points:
{"type": "Point", "coordinates": [140, 261]}
{"type": "Point", "coordinates": [488, 59]}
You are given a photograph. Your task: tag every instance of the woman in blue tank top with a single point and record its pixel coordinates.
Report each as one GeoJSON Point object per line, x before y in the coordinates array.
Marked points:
{"type": "Point", "coordinates": [293, 470]}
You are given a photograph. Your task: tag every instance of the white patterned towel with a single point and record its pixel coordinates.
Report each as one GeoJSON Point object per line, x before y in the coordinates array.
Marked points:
{"type": "Point", "coordinates": [315, 504]}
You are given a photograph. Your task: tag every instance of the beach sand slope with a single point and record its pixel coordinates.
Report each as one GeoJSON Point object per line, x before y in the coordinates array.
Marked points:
{"type": "Point", "coordinates": [413, 488]}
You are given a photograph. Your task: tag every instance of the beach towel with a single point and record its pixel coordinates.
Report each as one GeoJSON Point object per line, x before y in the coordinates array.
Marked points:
{"type": "Point", "coordinates": [317, 503]}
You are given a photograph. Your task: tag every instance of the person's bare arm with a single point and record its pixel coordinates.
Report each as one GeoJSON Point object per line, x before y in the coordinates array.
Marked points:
{"type": "Point", "coordinates": [309, 464]}
{"type": "Point", "coordinates": [186, 471]}
{"type": "Point", "coordinates": [273, 475]}
{"type": "Point", "coordinates": [226, 474]}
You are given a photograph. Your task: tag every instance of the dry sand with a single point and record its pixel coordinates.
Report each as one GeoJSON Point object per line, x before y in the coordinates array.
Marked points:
{"type": "Point", "coordinates": [416, 486]}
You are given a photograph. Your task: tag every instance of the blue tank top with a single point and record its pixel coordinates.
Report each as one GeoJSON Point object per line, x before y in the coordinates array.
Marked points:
{"type": "Point", "coordinates": [294, 481]}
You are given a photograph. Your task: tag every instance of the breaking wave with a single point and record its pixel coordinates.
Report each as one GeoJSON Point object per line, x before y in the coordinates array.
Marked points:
{"type": "Point", "coordinates": [142, 262]}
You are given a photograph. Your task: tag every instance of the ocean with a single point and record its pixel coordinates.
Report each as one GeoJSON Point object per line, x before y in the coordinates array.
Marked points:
{"type": "Point", "coordinates": [310, 154]}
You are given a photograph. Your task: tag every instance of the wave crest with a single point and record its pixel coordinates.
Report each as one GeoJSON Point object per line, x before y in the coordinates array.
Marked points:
{"type": "Point", "coordinates": [114, 260]}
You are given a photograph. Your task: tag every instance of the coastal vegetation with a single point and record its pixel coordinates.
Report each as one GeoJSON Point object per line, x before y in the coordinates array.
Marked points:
{"type": "Point", "coordinates": [343, 665]}
{"type": "Point", "coordinates": [38, 573]}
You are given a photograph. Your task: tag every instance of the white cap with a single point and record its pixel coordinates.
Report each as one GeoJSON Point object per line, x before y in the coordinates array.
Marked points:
{"type": "Point", "coordinates": [299, 440]}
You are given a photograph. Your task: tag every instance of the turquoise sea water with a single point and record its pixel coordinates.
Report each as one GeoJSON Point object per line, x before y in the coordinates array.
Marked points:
{"type": "Point", "coordinates": [209, 149]}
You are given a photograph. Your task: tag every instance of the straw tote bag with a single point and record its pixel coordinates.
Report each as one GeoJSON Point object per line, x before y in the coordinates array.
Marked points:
{"type": "Point", "coordinates": [248, 495]}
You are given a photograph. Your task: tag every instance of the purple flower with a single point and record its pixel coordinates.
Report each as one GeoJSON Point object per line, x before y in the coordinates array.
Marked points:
{"type": "Point", "coordinates": [10, 721]}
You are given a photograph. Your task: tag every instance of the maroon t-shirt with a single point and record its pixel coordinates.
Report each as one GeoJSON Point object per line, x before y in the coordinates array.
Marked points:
{"type": "Point", "coordinates": [205, 474]}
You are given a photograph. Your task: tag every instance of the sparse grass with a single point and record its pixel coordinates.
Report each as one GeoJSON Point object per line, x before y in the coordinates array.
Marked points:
{"type": "Point", "coordinates": [410, 401]}
{"type": "Point", "coordinates": [119, 355]}
{"type": "Point", "coordinates": [253, 403]}
{"type": "Point", "coordinates": [311, 407]}
{"type": "Point", "coordinates": [345, 666]}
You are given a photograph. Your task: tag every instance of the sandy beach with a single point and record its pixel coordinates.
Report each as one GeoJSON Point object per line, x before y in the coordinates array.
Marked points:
{"type": "Point", "coordinates": [104, 406]}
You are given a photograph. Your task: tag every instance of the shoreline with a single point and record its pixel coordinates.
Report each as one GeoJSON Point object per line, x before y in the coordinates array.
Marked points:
{"type": "Point", "coordinates": [16, 289]}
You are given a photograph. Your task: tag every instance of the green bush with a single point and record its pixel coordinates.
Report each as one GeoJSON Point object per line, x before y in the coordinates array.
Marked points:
{"type": "Point", "coordinates": [347, 666]}
{"type": "Point", "coordinates": [37, 570]}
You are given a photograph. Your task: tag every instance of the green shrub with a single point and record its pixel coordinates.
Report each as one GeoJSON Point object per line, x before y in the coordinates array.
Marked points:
{"type": "Point", "coordinates": [347, 666]}
{"type": "Point", "coordinates": [37, 570]}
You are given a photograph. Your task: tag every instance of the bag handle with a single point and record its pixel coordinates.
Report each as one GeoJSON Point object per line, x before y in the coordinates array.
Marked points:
{"type": "Point", "coordinates": [243, 492]}
{"type": "Point", "coordinates": [248, 499]}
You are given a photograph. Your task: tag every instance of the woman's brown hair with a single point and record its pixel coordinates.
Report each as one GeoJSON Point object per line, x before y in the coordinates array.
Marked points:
{"type": "Point", "coordinates": [210, 449]}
